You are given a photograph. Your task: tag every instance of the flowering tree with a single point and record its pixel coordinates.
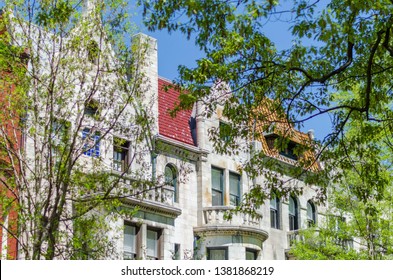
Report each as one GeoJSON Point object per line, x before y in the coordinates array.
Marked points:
{"type": "Point", "coordinates": [72, 125]}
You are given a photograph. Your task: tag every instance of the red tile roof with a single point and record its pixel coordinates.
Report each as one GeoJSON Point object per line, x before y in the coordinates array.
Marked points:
{"type": "Point", "coordinates": [177, 128]}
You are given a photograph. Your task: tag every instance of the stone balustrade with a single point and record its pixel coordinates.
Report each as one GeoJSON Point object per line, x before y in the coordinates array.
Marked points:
{"type": "Point", "coordinates": [217, 216]}
{"type": "Point", "coordinates": [161, 194]}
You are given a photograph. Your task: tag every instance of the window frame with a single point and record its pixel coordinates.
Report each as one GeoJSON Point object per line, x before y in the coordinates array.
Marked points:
{"type": "Point", "coordinates": [176, 251]}
{"type": "Point", "coordinates": [224, 131]}
{"type": "Point", "coordinates": [135, 254]}
{"type": "Point", "coordinates": [220, 191]}
{"type": "Point", "coordinates": [210, 249]}
{"type": "Point", "coordinates": [92, 151]}
{"type": "Point", "coordinates": [123, 150]}
{"type": "Point", "coordinates": [158, 241]}
{"type": "Point", "coordinates": [275, 213]}
{"type": "Point", "coordinates": [92, 108]}
{"type": "Point", "coordinates": [293, 217]}
{"type": "Point", "coordinates": [238, 195]}
{"type": "Point", "coordinates": [173, 182]}
{"type": "Point", "coordinates": [311, 220]}
{"type": "Point", "coordinates": [289, 151]}
{"type": "Point", "coordinates": [253, 251]}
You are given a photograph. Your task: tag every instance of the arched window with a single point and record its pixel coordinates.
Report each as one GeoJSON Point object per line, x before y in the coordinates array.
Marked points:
{"type": "Point", "coordinates": [293, 214]}
{"type": "Point", "coordinates": [275, 212]}
{"type": "Point", "coordinates": [311, 214]}
{"type": "Point", "coordinates": [171, 180]}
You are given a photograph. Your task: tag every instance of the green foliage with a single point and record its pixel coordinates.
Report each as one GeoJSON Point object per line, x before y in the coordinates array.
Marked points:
{"type": "Point", "coordinates": [59, 62]}
{"type": "Point", "coordinates": [339, 64]}
{"type": "Point", "coordinates": [335, 46]}
{"type": "Point", "coordinates": [362, 194]}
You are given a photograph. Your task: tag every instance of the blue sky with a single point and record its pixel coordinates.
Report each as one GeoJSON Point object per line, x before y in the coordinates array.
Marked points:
{"type": "Point", "coordinates": [174, 50]}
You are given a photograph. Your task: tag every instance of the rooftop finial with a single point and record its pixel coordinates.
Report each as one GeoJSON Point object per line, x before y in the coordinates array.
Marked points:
{"type": "Point", "coordinates": [311, 134]}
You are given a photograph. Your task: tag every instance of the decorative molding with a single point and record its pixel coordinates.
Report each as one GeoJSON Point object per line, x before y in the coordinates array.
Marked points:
{"type": "Point", "coordinates": [232, 230]}
{"type": "Point", "coordinates": [153, 207]}
{"type": "Point", "coordinates": [180, 149]}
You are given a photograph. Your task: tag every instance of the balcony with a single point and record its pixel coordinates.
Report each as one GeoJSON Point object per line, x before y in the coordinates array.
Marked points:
{"type": "Point", "coordinates": [158, 199]}
{"type": "Point", "coordinates": [295, 236]}
{"type": "Point", "coordinates": [215, 216]}
{"type": "Point", "coordinates": [292, 237]}
{"type": "Point", "coordinates": [161, 194]}
{"type": "Point", "coordinates": [215, 222]}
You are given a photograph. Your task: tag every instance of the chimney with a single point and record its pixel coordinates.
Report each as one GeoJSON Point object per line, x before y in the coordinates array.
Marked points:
{"type": "Point", "coordinates": [311, 134]}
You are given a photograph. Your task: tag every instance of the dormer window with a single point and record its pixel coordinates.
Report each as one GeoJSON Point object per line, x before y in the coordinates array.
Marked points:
{"type": "Point", "coordinates": [288, 150]}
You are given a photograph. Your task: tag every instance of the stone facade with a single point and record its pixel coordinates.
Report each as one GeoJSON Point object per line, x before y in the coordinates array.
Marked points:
{"type": "Point", "coordinates": [184, 217]}
{"type": "Point", "coordinates": [193, 225]}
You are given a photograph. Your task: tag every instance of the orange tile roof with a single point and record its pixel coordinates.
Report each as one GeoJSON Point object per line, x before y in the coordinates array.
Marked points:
{"type": "Point", "coordinates": [271, 120]}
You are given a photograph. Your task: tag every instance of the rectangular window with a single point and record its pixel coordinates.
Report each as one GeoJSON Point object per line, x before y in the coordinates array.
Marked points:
{"type": "Point", "coordinates": [251, 254]}
{"type": "Point", "coordinates": [275, 213]}
{"type": "Point", "coordinates": [152, 244]}
{"type": "Point", "coordinates": [220, 253]}
{"type": "Point", "coordinates": [274, 218]}
{"type": "Point", "coordinates": [176, 252]}
{"type": "Point", "coordinates": [234, 189]}
{"type": "Point", "coordinates": [120, 154]}
{"type": "Point", "coordinates": [225, 132]}
{"type": "Point", "coordinates": [217, 186]}
{"type": "Point", "coordinates": [91, 108]}
{"type": "Point", "coordinates": [289, 151]}
{"type": "Point", "coordinates": [130, 241]}
{"type": "Point", "coordinates": [92, 143]}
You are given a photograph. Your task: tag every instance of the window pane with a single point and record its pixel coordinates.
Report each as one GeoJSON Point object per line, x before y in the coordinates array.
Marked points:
{"type": "Point", "coordinates": [225, 132]}
{"type": "Point", "coordinates": [217, 254]}
{"type": "Point", "coordinates": [293, 214]}
{"type": "Point", "coordinates": [129, 242]}
{"type": "Point", "coordinates": [292, 225]}
{"type": "Point", "coordinates": [176, 252]}
{"type": "Point", "coordinates": [234, 188]}
{"type": "Point", "coordinates": [217, 187]}
{"type": "Point", "coordinates": [309, 211]}
{"type": "Point", "coordinates": [216, 198]}
{"type": "Point", "coordinates": [120, 154]}
{"type": "Point", "coordinates": [273, 203]}
{"type": "Point", "coordinates": [292, 206]}
{"type": "Point", "coordinates": [311, 215]}
{"type": "Point", "coordinates": [274, 218]}
{"type": "Point", "coordinates": [171, 180]}
{"type": "Point", "coordinates": [168, 175]}
{"type": "Point", "coordinates": [152, 244]}
{"type": "Point", "coordinates": [217, 179]}
{"type": "Point", "coordinates": [251, 254]}
{"type": "Point", "coordinates": [274, 212]}
{"type": "Point", "coordinates": [92, 143]}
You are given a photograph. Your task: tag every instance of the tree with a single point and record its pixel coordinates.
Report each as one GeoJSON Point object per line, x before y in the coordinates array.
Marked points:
{"type": "Point", "coordinates": [360, 207]}
{"type": "Point", "coordinates": [340, 64]}
{"type": "Point", "coordinates": [334, 47]}
{"type": "Point", "coordinates": [71, 81]}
